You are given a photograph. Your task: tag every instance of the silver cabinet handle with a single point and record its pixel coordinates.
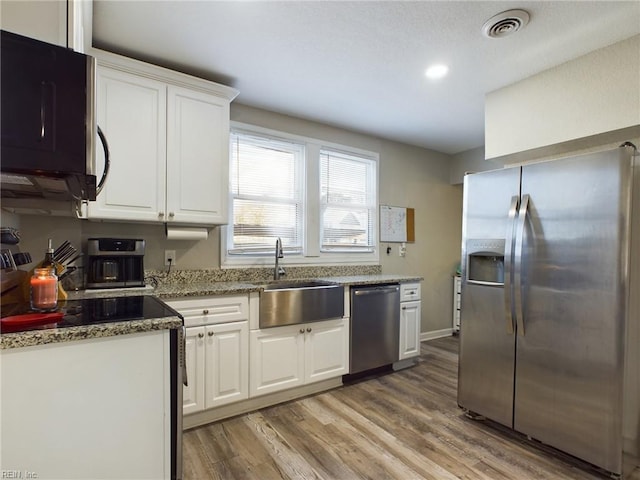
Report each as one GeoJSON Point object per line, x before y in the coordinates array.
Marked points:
{"type": "Point", "coordinates": [308, 330]}
{"type": "Point", "coordinates": [171, 214]}
{"type": "Point", "coordinates": [404, 308]}
{"type": "Point", "coordinates": [508, 246]}
{"type": "Point", "coordinates": [161, 214]}
{"type": "Point", "coordinates": [200, 335]}
{"type": "Point", "coordinates": [205, 312]}
{"type": "Point", "coordinates": [302, 330]}
{"type": "Point", "coordinates": [210, 334]}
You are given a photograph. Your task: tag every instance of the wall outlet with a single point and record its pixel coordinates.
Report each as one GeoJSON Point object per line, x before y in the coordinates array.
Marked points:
{"type": "Point", "coordinates": [170, 258]}
{"type": "Point", "coordinates": [402, 250]}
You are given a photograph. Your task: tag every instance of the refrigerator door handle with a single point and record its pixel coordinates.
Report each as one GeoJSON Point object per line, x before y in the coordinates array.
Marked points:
{"type": "Point", "coordinates": [508, 252]}
{"type": "Point", "coordinates": [517, 270]}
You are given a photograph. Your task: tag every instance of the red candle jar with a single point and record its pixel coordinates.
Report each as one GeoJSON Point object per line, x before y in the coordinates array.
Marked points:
{"type": "Point", "coordinates": [44, 290]}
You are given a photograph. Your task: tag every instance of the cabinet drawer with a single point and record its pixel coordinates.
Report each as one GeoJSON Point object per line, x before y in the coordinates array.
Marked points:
{"type": "Point", "coordinates": [409, 291]}
{"type": "Point", "coordinates": [212, 310]}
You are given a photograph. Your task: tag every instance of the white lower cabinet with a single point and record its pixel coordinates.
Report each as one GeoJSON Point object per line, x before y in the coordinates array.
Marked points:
{"type": "Point", "coordinates": [226, 358]}
{"type": "Point", "coordinates": [93, 408]}
{"type": "Point", "coordinates": [217, 351]}
{"type": "Point", "coordinates": [410, 314]}
{"type": "Point", "coordinates": [294, 355]}
{"type": "Point", "coordinates": [409, 329]}
{"type": "Point", "coordinates": [193, 393]}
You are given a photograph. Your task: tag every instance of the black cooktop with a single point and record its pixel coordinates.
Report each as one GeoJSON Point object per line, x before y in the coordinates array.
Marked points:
{"type": "Point", "coordinates": [89, 311]}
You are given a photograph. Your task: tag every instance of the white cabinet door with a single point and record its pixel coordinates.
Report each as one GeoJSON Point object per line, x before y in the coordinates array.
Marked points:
{"type": "Point", "coordinates": [326, 350]}
{"type": "Point", "coordinates": [197, 157]}
{"type": "Point", "coordinates": [277, 359]}
{"type": "Point", "coordinates": [193, 399]}
{"type": "Point", "coordinates": [227, 363]}
{"type": "Point", "coordinates": [409, 329]}
{"type": "Point", "coordinates": [131, 112]}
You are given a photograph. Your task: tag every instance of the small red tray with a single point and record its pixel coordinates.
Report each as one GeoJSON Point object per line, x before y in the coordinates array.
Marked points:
{"type": "Point", "coordinates": [16, 323]}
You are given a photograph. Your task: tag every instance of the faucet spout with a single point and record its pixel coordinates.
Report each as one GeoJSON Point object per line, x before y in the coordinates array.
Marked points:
{"type": "Point", "coordinates": [278, 270]}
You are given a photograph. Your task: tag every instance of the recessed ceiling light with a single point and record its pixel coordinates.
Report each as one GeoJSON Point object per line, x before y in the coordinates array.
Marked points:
{"type": "Point", "coordinates": [437, 71]}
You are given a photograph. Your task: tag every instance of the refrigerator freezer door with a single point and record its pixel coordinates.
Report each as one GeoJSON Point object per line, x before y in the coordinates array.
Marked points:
{"type": "Point", "coordinates": [570, 360]}
{"type": "Point", "coordinates": [486, 368]}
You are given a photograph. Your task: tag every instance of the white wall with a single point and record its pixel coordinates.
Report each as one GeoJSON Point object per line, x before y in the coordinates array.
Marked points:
{"type": "Point", "coordinates": [44, 20]}
{"type": "Point", "coordinates": [598, 92]}
{"type": "Point", "coordinates": [470, 161]}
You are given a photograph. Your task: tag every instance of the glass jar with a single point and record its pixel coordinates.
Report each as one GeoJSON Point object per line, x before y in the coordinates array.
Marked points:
{"type": "Point", "coordinates": [44, 290]}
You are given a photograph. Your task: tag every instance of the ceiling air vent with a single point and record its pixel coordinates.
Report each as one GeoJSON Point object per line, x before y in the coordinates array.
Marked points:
{"type": "Point", "coordinates": [505, 23]}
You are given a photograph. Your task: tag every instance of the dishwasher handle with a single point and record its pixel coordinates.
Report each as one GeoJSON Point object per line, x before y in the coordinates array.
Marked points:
{"type": "Point", "coordinates": [376, 290]}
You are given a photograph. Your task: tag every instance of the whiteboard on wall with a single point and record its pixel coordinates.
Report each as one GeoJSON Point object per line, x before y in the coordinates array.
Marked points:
{"type": "Point", "coordinates": [393, 224]}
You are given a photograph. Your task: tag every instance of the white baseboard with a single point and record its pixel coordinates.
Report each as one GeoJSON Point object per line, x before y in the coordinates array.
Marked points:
{"type": "Point", "coordinates": [445, 332]}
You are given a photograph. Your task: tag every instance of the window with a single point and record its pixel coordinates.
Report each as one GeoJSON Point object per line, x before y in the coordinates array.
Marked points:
{"type": "Point", "coordinates": [319, 198]}
{"type": "Point", "coordinates": [266, 194]}
{"type": "Point", "coordinates": [347, 187]}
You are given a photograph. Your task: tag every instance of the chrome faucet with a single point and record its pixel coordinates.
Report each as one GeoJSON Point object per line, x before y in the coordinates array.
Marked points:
{"type": "Point", "coordinates": [277, 271]}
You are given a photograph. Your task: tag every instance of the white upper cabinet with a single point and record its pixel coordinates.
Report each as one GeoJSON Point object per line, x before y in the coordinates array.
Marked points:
{"type": "Point", "coordinates": [168, 137]}
{"type": "Point", "coordinates": [197, 157]}
{"type": "Point", "coordinates": [132, 115]}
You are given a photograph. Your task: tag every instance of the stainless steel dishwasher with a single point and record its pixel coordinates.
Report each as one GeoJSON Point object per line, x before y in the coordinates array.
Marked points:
{"type": "Point", "coordinates": [375, 327]}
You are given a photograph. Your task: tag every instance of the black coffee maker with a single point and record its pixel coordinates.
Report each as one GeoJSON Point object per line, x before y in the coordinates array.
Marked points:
{"type": "Point", "coordinates": [115, 263]}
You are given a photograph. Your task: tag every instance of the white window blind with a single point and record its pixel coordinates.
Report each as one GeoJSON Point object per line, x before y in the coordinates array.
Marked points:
{"type": "Point", "coordinates": [266, 189]}
{"type": "Point", "coordinates": [348, 202]}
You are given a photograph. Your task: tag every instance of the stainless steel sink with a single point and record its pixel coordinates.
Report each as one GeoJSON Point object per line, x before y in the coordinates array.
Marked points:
{"type": "Point", "coordinates": [291, 302]}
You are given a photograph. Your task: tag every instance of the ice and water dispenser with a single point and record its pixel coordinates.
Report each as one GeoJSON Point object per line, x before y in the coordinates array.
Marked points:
{"type": "Point", "coordinates": [485, 261]}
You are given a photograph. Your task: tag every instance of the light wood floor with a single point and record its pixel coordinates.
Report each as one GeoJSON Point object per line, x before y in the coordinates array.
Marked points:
{"type": "Point", "coordinates": [403, 425]}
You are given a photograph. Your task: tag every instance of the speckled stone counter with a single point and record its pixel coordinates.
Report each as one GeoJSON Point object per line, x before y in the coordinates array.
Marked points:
{"type": "Point", "coordinates": [59, 335]}
{"type": "Point", "coordinates": [203, 288]}
{"type": "Point", "coordinates": [373, 279]}
{"type": "Point", "coordinates": [197, 283]}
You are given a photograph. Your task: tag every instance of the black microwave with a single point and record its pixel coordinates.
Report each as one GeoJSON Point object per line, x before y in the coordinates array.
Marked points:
{"type": "Point", "coordinates": [48, 121]}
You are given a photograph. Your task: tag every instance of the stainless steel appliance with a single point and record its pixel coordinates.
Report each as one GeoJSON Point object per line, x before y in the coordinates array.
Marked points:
{"type": "Point", "coordinates": [375, 327]}
{"type": "Point", "coordinates": [115, 263]}
{"type": "Point", "coordinates": [48, 122]}
{"type": "Point", "coordinates": [549, 341]}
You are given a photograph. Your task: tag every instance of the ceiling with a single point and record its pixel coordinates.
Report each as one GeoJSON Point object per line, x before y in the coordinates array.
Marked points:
{"type": "Point", "coordinates": [360, 65]}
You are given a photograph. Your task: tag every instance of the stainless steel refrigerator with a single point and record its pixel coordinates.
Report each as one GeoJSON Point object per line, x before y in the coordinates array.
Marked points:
{"type": "Point", "coordinates": [549, 340]}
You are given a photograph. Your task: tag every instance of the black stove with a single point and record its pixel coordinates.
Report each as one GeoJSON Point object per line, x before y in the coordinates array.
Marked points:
{"type": "Point", "coordinates": [89, 311]}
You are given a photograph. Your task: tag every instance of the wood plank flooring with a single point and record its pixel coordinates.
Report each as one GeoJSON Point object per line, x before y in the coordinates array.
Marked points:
{"type": "Point", "coordinates": [403, 425]}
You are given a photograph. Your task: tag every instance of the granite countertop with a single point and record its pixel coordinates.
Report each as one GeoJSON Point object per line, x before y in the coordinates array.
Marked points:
{"type": "Point", "coordinates": [198, 288]}
{"type": "Point", "coordinates": [203, 288]}
{"type": "Point", "coordinates": [59, 335]}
